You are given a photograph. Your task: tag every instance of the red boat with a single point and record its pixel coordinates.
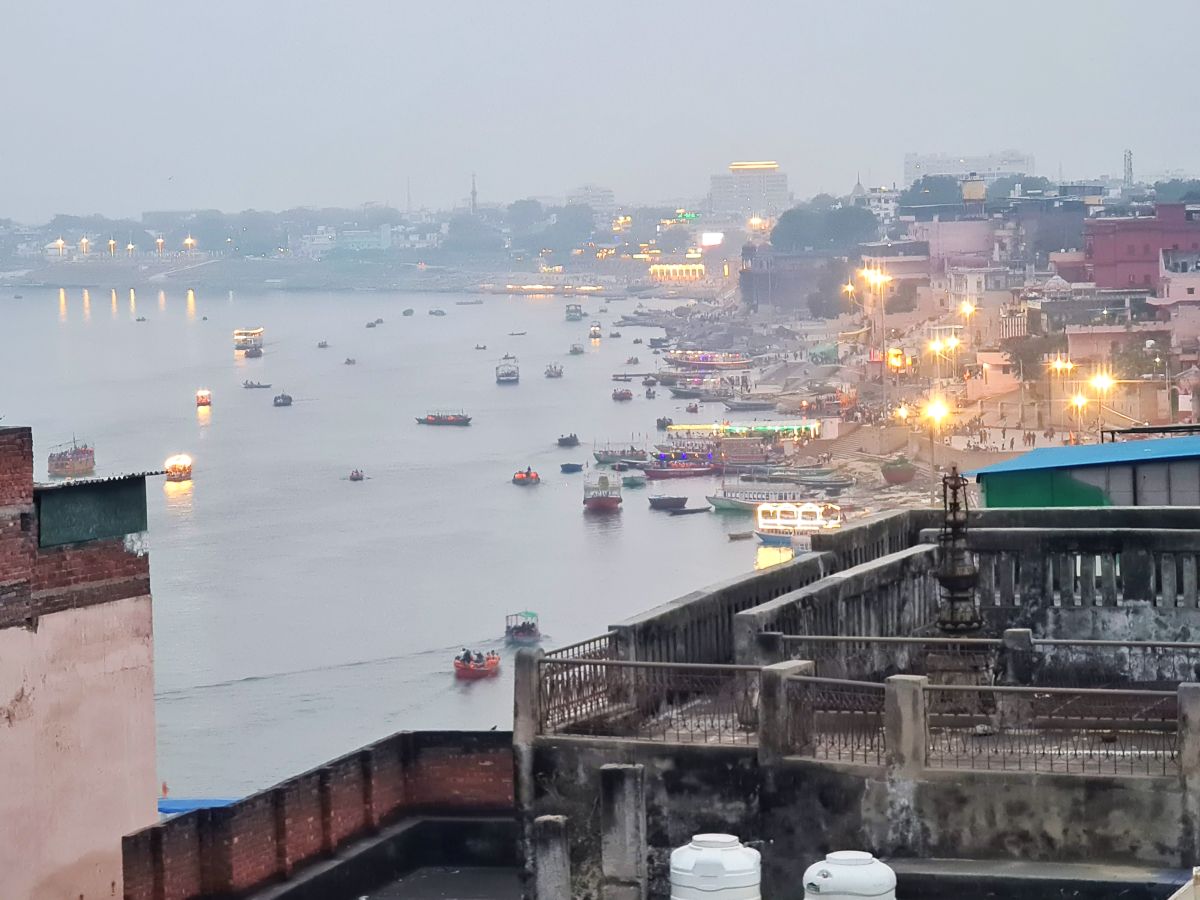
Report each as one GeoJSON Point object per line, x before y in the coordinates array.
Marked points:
{"type": "Point", "coordinates": [528, 478]}
{"type": "Point", "coordinates": [622, 394]}
{"type": "Point", "coordinates": [603, 494]}
{"type": "Point", "coordinates": [444, 418]}
{"type": "Point", "coordinates": [679, 470]}
{"type": "Point", "coordinates": [472, 671]}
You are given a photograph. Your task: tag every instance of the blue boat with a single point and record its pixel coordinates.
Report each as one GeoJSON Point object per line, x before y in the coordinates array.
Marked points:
{"type": "Point", "coordinates": [570, 468]}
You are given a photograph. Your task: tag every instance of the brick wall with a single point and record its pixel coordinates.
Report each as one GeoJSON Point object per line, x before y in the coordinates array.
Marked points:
{"type": "Point", "coordinates": [16, 511]}
{"type": "Point", "coordinates": [269, 835]}
{"type": "Point", "coordinates": [16, 467]}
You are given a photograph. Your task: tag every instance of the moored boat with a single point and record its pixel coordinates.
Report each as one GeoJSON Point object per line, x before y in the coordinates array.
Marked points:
{"type": "Point", "coordinates": [284, 399]}
{"type": "Point", "coordinates": [71, 460]}
{"type": "Point", "coordinates": [662, 423]}
{"type": "Point", "coordinates": [522, 628]}
{"type": "Point", "coordinates": [660, 501]}
{"type": "Point", "coordinates": [690, 510]}
{"type": "Point", "coordinates": [603, 494]}
{"type": "Point", "coordinates": [254, 385]}
{"type": "Point", "coordinates": [898, 471]}
{"type": "Point", "coordinates": [679, 470]}
{"type": "Point", "coordinates": [576, 349]}
{"type": "Point", "coordinates": [568, 440]}
{"type": "Point", "coordinates": [570, 468]}
{"type": "Point", "coordinates": [633, 481]}
{"type": "Point", "coordinates": [792, 524]}
{"type": "Point", "coordinates": [554, 371]}
{"type": "Point", "coordinates": [738, 500]}
{"type": "Point", "coordinates": [508, 372]}
{"type": "Point", "coordinates": [608, 456]}
{"type": "Point", "coordinates": [437, 312]}
{"type": "Point", "coordinates": [746, 405]}
{"type": "Point", "coordinates": [476, 302]}
{"type": "Point", "coordinates": [622, 394]}
{"type": "Point", "coordinates": [444, 418]}
{"type": "Point", "coordinates": [204, 397]}
{"type": "Point", "coordinates": [705, 359]}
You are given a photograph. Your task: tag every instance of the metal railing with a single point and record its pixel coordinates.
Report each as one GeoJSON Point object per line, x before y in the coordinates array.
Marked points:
{"type": "Point", "coordinates": [835, 719]}
{"type": "Point", "coordinates": [661, 702]}
{"type": "Point", "coordinates": [1060, 730]}
{"type": "Point", "coordinates": [603, 647]}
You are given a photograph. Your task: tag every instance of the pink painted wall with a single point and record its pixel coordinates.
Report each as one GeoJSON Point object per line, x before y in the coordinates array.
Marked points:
{"type": "Point", "coordinates": [969, 238]}
{"type": "Point", "coordinates": [77, 749]}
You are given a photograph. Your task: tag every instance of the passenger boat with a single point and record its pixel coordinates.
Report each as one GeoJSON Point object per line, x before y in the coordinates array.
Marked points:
{"type": "Point", "coordinates": [407, 312]}
{"type": "Point", "coordinates": [370, 324]}
{"type": "Point", "coordinates": [629, 454]}
{"type": "Point", "coordinates": [554, 371]}
{"type": "Point", "coordinates": [282, 400]}
{"type": "Point", "coordinates": [472, 671]}
{"type": "Point", "coordinates": [522, 628]}
{"type": "Point", "coordinates": [444, 418]}
{"type": "Point", "coordinates": [527, 478]}
{"type": "Point", "coordinates": [254, 353]}
{"type": "Point", "coordinates": [576, 349]}
{"type": "Point", "coordinates": [684, 393]}
{"type": "Point", "coordinates": [254, 385]}
{"type": "Point", "coordinates": [508, 372]}
{"type": "Point", "coordinates": [637, 340]}
{"type": "Point", "coordinates": [595, 331]}
{"type": "Point", "coordinates": [632, 361]}
{"type": "Point", "coordinates": [692, 407]}
{"type": "Point", "coordinates": [649, 381]}
{"type": "Point", "coordinates": [660, 501]}
{"type": "Point", "coordinates": [475, 302]}
{"type": "Point", "coordinates": [379, 321]}
{"type": "Point", "coordinates": [248, 338]}
{"type": "Point", "coordinates": [744, 405]}
{"type": "Point", "coordinates": [622, 394]}
{"type": "Point", "coordinates": [357, 475]}
{"type": "Point", "coordinates": [569, 440]}
{"type": "Point", "coordinates": [738, 500]}
{"type": "Point", "coordinates": [707, 359]}
{"type": "Point", "coordinates": [633, 481]}
{"type": "Point", "coordinates": [602, 495]}
{"type": "Point", "coordinates": [662, 423]}
{"type": "Point", "coordinates": [481, 346]}
{"type": "Point", "coordinates": [792, 524]}
{"type": "Point", "coordinates": [322, 345]}
{"type": "Point", "coordinates": [437, 312]}
{"type": "Point", "coordinates": [574, 312]}
{"type": "Point", "coordinates": [203, 397]}
{"type": "Point", "coordinates": [178, 467]}
{"type": "Point", "coordinates": [350, 361]}
{"type": "Point", "coordinates": [570, 468]}
{"type": "Point", "coordinates": [651, 393]}
{"type": "Point", "coordinates": [679, 470]}
{"type": "Point", "coordinates": [71, 460]}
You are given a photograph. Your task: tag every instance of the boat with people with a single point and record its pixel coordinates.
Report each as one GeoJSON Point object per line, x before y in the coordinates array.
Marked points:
{"type": "Point", "coordinates": [350, 361]}
{"type": "Point", "coordinates": [522, 628]}
{"type": "Point", "coordinates": [526, 478]}
{"type": "Point", "coordinates": [568, 440]}
{"type": "Point", "coordinates": [322, 345]}
{"type": "Point", "coordinates": [608, 456]}
{"type": "Point", "coordinates": [370, 324]}
{"type": "Point", "coordinates": [602, 495]}
{"type": "Point", "coordinates": [614, 334]}
{"type": "Point", "coordinates": [661, 501]}
{"type": "Point", "coordinates": [437, 312]}
{"type": "Point", "coordinates": [71, 460]}
{"type": "Point", "coordinates": [570, 468]}
{"type": "Point", "coordinates": [662, 423]}
{"type": "Point", "coordinates": [649, 381]}
{"type": "Point", "coordinates": [792, 524]}
{"type": "Point", "coordinates": [254, 385]}
{"type": "Point", "coordinates": [253, 353]}
{"type": "Point", "coordinates": [472, 665]}
{"type": "Point", "coordinates": [379, 321]}
{"type": "Point", "coordinates": [680, 469]}
{"type": "Point", "coordinates": [178, 467]}
{"type": "Point", "coordinates": [637, 340]}
{"type": "Point", "coordinates": [444, 418]}
{"type": "Point", "coordinates": [708, 359]}
{"type": "Point", "coordinates": [204, 397]}
{"type": "Point", "coordinates": [140, 319]}
{"type": "Point", "coordinates": [692, 407]}
{"type": "Point", "coordinates": [622, 394]}
{"type": "Point", "coordinates": [554, 371]}
{"type": "Point", "coordinates": [574, 312]}
{"type": "Point", "coordinates": [407, 312]}
{"type": "Point", "coordinates": [595, 331]}
{"type": "Point", "coordinates": [508, 372]}
{"type": "Point", "coordinates": [357, 475]}
{"type": "Point", "coordinates": [632, 361]}
{"type": "Point", "coordinates": [651, 393]}
{"type": "Point", "coordinates": [248, 338]}
{"type": "Point", "coordinates": [576, 349]}
{"type": "Point", "coordinates": [284, 399]}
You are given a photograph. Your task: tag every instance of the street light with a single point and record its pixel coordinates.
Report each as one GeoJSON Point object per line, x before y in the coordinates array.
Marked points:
{"type": "Point", "coordinates": [967, 308]}
{"type": "Point", "coordinates": [189, 243]}
{"type": "Point", "coordinates": [129, 248]}
{"type": "Point", "coordinates": [60, 244]}
{"type": "Point", "coordinates": [935, 411]}
{"type": "Point", "coordinates": [1060, 367]}
{"type": "Point", "coordinates": [1102, 382]}
{"type": "Point", "coordinates": [159, 241]}
{"type": "Point", "coordinates": [83, 245]}
{"type": "Point", "coordinates": [112, 247]}
{"type": "Point", "coordinates": [1080, 402]}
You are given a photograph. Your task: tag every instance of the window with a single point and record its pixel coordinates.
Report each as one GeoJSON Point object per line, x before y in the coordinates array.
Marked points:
{"type": "Point", "coordinates": [1191, 291]}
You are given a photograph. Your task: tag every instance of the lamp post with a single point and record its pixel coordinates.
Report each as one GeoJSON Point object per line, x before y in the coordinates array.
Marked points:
{"type": "Point", "coordinates": [112, 247]}
{"type": "Point", "coordinates": [83, 245]}
{"type": "Point", "coordinates": [60, 244]}
{"type": "Point", "coordinates": [159, 241]}
{"type": "Point", "coordinates": [1102, 382]}
{"type": "Point", "coordinates": [1080, 402]}
{"type": "Point", "coordinates": [936, 346]}
{"type": "Point", "coordinates": [129, 249]}
{"type": "Point", "coordinates": [1060, 367]}
{"type": "Point", "coordinates": [936, 411]}
{"type": "Point", "coordinates": [189, 244]}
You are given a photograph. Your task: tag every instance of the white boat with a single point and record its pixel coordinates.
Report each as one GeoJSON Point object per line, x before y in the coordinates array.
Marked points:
{"type": "Point", "coordinates": [793, 524]}
{"type": "Point", "coordinates": [248, 338]}
{"type": "Point", "coordinates": [749, 500]}
{"type": "Point", "coordinates": [595, 331]}
{"type": "Point", "coordinates": [508, 372]}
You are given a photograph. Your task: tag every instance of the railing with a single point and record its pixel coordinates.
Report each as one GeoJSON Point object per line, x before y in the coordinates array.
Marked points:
{"type": "Point", "coordinates": [603, 647]}
{"type": "Point", "coordinates": [1058, 730]}
{"type": "Point", "coordinates": [689, 704]}
{"type": "Point", "coordinates": [834, 719]}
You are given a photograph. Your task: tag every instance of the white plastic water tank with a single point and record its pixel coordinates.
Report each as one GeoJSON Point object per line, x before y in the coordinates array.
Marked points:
{"type": "Point", "coordinates": [847, 874]}
{"type": "Point", "coordinates": [715, 867]}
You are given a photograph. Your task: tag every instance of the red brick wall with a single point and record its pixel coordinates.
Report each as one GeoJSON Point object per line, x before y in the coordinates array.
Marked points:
{"type": "Point", "coordinates": [16, 467]}
{"type": "Point", "coordinates": [251, 845]}
{"type": "Point", "coordinates": [301, 812]}
{"type": "Point", "coordinates": [72, 565]}
{"type": "Point", "coordinates": [16, 501]}
{"type": "Point", "coordinates": [347, 809]}
{"type": "Point", "coordinates": [180, 858]}
{"type": "Point", "coordinates": [446, 778]}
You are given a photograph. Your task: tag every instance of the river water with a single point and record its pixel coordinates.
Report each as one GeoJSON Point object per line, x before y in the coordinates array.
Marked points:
{"type": "Point", "coordinates": [299, 615]}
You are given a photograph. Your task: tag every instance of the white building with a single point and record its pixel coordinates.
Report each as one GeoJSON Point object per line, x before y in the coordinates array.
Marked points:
{"type": "Point", "coordinates": [989, 167]}
{"type": "Point", "coordinates": [601, 199]}
{"type": "Point", "coordinates": [884, 203]}
{"type": "Point", "coordinates": [750, 189]}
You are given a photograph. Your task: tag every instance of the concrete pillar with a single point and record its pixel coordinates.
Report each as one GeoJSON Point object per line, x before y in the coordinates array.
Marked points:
{"type": "Point", "coordinates": [551, 858]}
{"type": "Point", "coordinates": [776, 712]}
{"type": "Point", "coordinates": [904, 720]}
{"type": "Point", "coordinates": [526, 714]}
{"type": "Point", "coordinates": [1018, 656]}
{"type": "Point", "coordinates": [623, 848]}
{"type": "Point", "coordinates": [1188, 700]}
{"type": "Point", "coordinates": [625, 639]}
{"type": "Point", "coordinates": [769, 649]}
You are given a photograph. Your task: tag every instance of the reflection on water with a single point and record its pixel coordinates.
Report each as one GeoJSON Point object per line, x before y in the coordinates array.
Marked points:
{"type": "Point", "coordinates": [191, 305]}
{"type": "Point", "coordinates": [772, 556]}
{"type": "Point", "coordinates": [162, 301]}
{"type": "Point", "coordinates": [62, 304]}
{"type": "Point", "coordinates": [179, 497]}
{"type": "Point", "coordinates": [203, 416]}
{"type": "Point", "coordinates": [132, 302]}
{"type": "Point", "coordinates": [114, 303]}
{"type": "Point", "coordinates": [87, 305]}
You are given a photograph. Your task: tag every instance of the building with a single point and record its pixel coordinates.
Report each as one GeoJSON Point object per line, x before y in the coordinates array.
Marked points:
{"type": "Point", "coordinates": [77, 741]}
{"type": "Point", "coordinates": [750, 189]}
{"type": "Point", "coordinates": [963, 242]}
{"type": "Point", "coordinates": [883, 203]}
{"type": "Point", "coordinates": [989, 167]}
{"type": "Point", "coordinates": [1126, 252]}
{"type": "Point", "coordinates": [601, 199]}
{"type": "Point", "coordinates": [1160, 472]}
{"type": "Point", "coordinates": [1179, 275]}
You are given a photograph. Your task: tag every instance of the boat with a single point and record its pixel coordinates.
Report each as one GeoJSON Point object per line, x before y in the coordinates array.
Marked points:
{"type": "Point", "coordinates": [568, 440]}
{"type": "Point", "coordinates": [254, 353]}
{"type": "Point", "coordinates": [576, 349]}
{"type": "Point", "coordinates": [322, 345]}
{"type": "Point", "coordinates": [741, 535]}
{"type": "Point", "coordinates": [738, 500]}
{"type": "Point", "coordinates": [370, 324]}
{"type": "Point", "coordinates": [898, 471]}
{"type": "Point", "coordinates": [679, 470]}
{"type": "Point", "coordinates": [659, 341]}
{"type": "Point", "coordinates": [622, 394]}
{"type": "Point", "coordinates": [528, 478]}
{"type": "Point", "coordinates": [632, 361]}
{"type": "Point", "coordinates": [554, 371]}
{"type": "Point", "coordinates": [595, 331]}
{"type": "Point", "coordinates": [508, 372]}
{"type": "Point", "coordinates": [649, 381]}
{"type": "Point", "coordinates": [603, 494]}
{"type": "Point", "coordinates": [570, 468]}
{"type": "Point", "coordinates": [140, 319]}
{"type": "Point", "coordinates": [689, 510]}
{"type": "Point", "coordinates": [203, 397]}
{"type": "Point", "coordinates": [357, 475]}
{"type": "Point", "coordinates": [603, 309]}
{"type": "Point", "coordinates": [792, 524]}
{"type": "Point", "coordinates": [522, 628]}
{"type": "Point", "coordinates": [631, 481]}
{"type": "Point", "coordinates": [476, 302]}
{"type": "Point", "coordinates": [662, 423]}
{"type": "Point", "coordinates": [379, 321]}
{"type": "Point", "coordinates": [481, 346]}
{"type": "Point", "coordinates": [609, 456]}
{"type": "Point", "coordinates": [437, 312]}
{"type": "Point", "coordinates": [574, 312]}
{"type": "Point", "coordinates": [350, 361]}
{"type": "Point", "coordinates": [282, 400]}
{"type": "Point", "coordinates": [744, 405]}
{"type": "Point", "coordinates": [651, 393]}
{"type": "Point", "coordinates": [707, 359]}
{"type": "Point", "coordinates": [683, 393]}
{"type": "Point", "coordinates": [479, 667]}
{"type": "Point", "coordinates": [444, 418]}
{"type": "Point", "coordinates": [614, 334]}
{"type": "Point", "coordinates": [516, 334]}
{"type": "Point", "coordinates": [254, 385]}
{"type": "Point", "coordinates": [407, 312]}
{"type": "Point", "coordinates": [625, 378]}
{"type": "Point", "coordinates": [692, 408]}
{"type": "Point", "coordinates": [178, 467]}
{"type": "Point", "coordinates": [660, 501]}
{"type": "Point", "coordinates": [637, 340]}
{"type": "Point", "coordinates": [248, 338]}
{"type": "Point", "coordinates": [71, 460]}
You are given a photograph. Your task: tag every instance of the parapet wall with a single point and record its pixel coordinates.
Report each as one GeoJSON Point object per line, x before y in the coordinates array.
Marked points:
{"type": "Point", "coordinates": [273, 834]}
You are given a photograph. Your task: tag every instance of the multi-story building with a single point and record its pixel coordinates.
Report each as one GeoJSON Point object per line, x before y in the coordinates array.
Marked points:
{"type": "Point", "coordinates": [750, 189]}
{"type": "Point", "coordinates": [601, 199]}
{"type": "Point", "coordinates": [1125, 252]}
{"type": "Point", "coordinates": [989, 167]}
{"type": "Point", "coordinates": [884, 203]}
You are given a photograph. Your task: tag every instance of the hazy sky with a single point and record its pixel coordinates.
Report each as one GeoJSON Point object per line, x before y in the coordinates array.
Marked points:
{"type": "Point", "coordinates": [126, 105]}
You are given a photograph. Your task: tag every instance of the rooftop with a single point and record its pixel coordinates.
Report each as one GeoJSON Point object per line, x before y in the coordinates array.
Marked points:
{"type": "Point", "coordinates": [1097, 455]}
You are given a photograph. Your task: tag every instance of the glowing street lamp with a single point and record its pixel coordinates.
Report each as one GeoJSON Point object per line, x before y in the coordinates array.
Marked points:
{"type": "Point", "coordinates": [967, 308]}
{"type": "Point", "coordinates": [1060, 367]}
{"type": "Point", "coordinates": [1102, 382]}
{"type": "Point", "coordinates": [936, 412]}
{"type": "Point", "coordinates": [83, 245]}
{"type": "Point", "coordinates": [159, 241]}
{"type": "Point", "coordinates": [112, 247]}
{"type": "Point", "coordinates": [189, 243]}
{"type": "Point", "coordinates": [60, 244]}
{"type": "Point", "coordinates": [129, 248]}
{"type": "Point", "coordinates": [1080, 402]}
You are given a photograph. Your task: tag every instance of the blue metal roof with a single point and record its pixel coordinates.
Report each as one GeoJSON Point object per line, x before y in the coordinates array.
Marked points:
{"type": "Point", "coordinates": [1131, 452]}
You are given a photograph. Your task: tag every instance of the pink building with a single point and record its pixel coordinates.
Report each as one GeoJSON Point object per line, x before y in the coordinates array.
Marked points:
{"type": "Point", "coordinates": [962, 242]}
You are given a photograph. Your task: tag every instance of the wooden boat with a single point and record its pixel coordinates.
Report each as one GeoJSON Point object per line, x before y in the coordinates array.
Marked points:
{"type": "Point", "coordinates": [632, 361]}
{"type": "Point", "coordinates": [407, 312]}
{"type": "Point", "coordinates": [444, 418]}
{"type": "Point", "coordinates": [322, 345]}
{"type": "Point", "coordinates": [254, 353]}
{"type": "Point", "coordinates": [659, 501]}
{"type": "Point", "coordinates": [898, 471]}
{"type": "Point", "coordinates": [570, 468]}
{"type": "Point", "coordinates": [370, 324]}
{"type": "Point", "coordinates": [574, 312]}
{"type": "Point", "coordinates": [528, 478]}
{"type": "Point", "coordinates": [624, 378]}
{"type": "Point", "coordinates": [481, 346]}
{"type": "Point", "coordinates": [522, 628]}
{"type": "Point", "coordinates": [516, 334]}
{"type": "Point", "coordinates": [747, 405]}
{"type": "Point", "coordinates": [602, 495]}
{"type": "Point", "coordinates": [140, 319]}
{"type": "Point", "coordinates": [254, 385]}
{"type": "Point", "coordinates": [71, 460]}
{"type": "Point", "coordinates": [595, 331]}
{"type": "Point", "coordinates": [569, 440]}
{"type": "Point", "coordinates": [576, 349]}
{"type": "Point", "coordinates": [637, 340]}
{"type": "Point", "coordinates": [705, 359]}
{"type": "Point", "coordinates": [649, 381]}
{"type": "Point", "coordinates": [350, 361]}
{"type": "Point", "coordinates": [662, 423]}
{"type": "Point", "coordinates": [379, 321]}
{"type": "Point", "coordinates": [178, 467]}
{"type": "Point", "coordinates": [476, 302]}
{"type": "Point", "coordinates": [437, 312]}
{"type": "Point", "coordinates": [622, 394]}
{"type": "Point", "coordinates": [692, 408]}
{"type": "Point", "coordinates": [554, 371]}
{"type": "Point", "coordinates": [357, 475]}
{"type": "Point", "coordinates": [679, 470]}
{"type": "Point", "coordinates": [689, 510]}
{"type": "Point", "coordinates": [473, 671]}
{"type": "Point", "coordinates": [629, 454]}
{"type": "Point", "coordinates": [203, 397]}
{"type": "Point", "coordinates": [283, 399]}
{"type": "Point", "coordinates": [633, 481]}
{"type": "Point", "coordinates": [651, 393]}
{"type": "Point", "coordinates": [741, 535]}
{"type": "Point", "coordinates": [614, 334]}
{"type": "Point", "coordinates": [508, 372]}
{"type": "Point", "coordinates": [791, 524]}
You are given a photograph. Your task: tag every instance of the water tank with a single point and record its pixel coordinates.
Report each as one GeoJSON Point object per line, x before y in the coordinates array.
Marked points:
{"type": "Point", "coordinates": [715, 867]}
{"type": "Point", "coordinates": [846, 874]}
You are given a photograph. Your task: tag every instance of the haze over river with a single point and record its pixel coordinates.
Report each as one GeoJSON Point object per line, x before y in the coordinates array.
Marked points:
{"type": "Point", "coordinates": [299, 615]}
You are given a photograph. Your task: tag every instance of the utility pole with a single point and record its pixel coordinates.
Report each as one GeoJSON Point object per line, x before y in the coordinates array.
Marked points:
{"type": "Point", "coordinates": [474, 196]}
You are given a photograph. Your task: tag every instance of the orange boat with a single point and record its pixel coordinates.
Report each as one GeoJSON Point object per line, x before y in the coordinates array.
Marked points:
{"type": "Point", "coordinates": [528, 478]}
{"type": "Point", "coordinates": [489, 668]}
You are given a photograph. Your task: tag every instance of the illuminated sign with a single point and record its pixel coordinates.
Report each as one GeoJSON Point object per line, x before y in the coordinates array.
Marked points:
{"type": "Point", "coordinates": [712, 238]}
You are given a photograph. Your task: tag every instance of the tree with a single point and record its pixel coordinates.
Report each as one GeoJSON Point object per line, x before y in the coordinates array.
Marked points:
{"type": "Point", "coordinates": [823, 201]}
{"type": "Point", "coordinates": [1028, 352]}
{"type": "Point", "coordinates": [797, 229]}
{"type": "Point", "coordinates": [467, 234]}
{"type": "Point", "coordinates": [672, 240]}
{"type": "Point", "coordinates": [849, 226]}
{"type": "Point", "coordinates": [1175, 190]}
{"type": "Point", "coordinates": [824, 231]}
{"type": "Point", "coordinates": [573, 225]}
{"type": "Point", "coordinates": [828, 301]}
{"type": "Point", "coordinates": [1002, 187]}
{"type": "Point", "coordinates": [524, 214]}
{"type": "Point", "coordinates": [932, 190]}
